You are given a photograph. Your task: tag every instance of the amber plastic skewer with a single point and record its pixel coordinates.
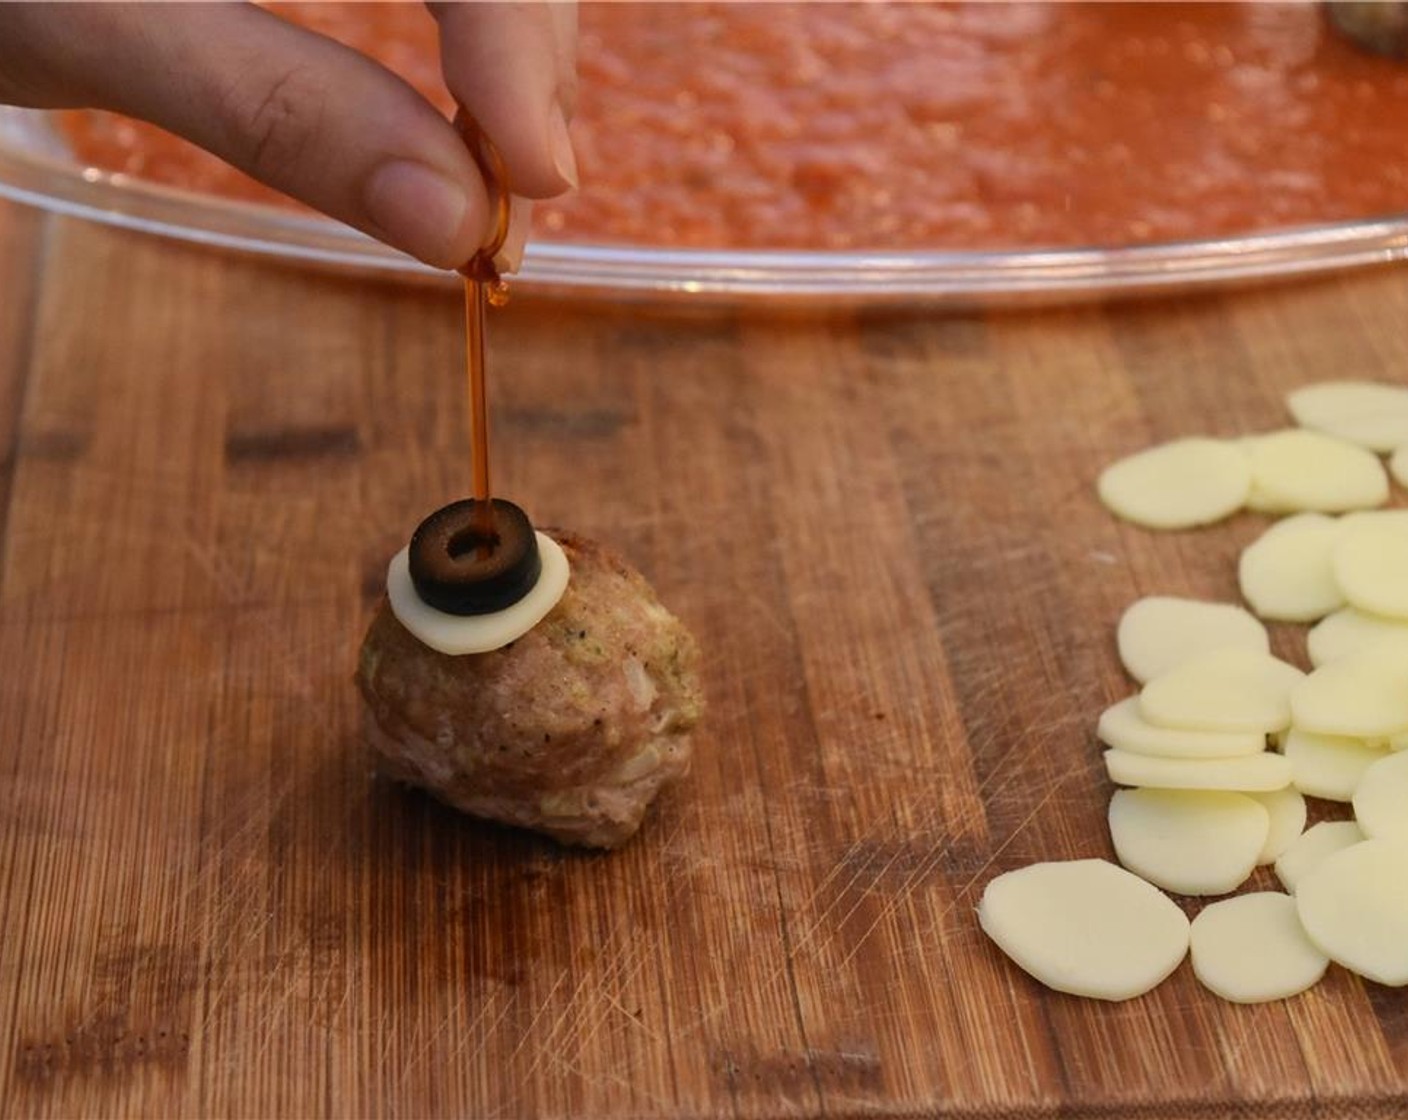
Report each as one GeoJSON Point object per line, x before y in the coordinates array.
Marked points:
{"type": "Point", "coordinates": [478, 274]}
{"type": "Point", "coordinates": [478, 399]}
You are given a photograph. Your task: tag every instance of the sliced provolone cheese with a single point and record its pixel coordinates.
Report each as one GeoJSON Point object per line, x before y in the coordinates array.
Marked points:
{"type": "Point", "coordinates": [1313, 845]}
{"type": "Point", "coordinates": [1362, 696]}
{"type": "Point", "coordinates": [1328, 766]}
{"type": "Point", "coordinates": [1350, 631]}
{"type": "Point", "coordinates": [1381, 801]}
{"type": "Point", "coordinates": [454, 634]}
{"type": "Point", "coordinates": [1369, 413]}
{"type": "Point", "coordinates": [1286, 573]}
{"type": "Point", "coordinates": [1122, 726]}
{"type": "Point", "coordinates": [1297, 470]}
{"type": "Point", "coordinates": [1354, 906]}
{"type": "Point", "coordinates": [1226, 690]}
{"type": "Point", "coordinates": [1086, 927]}
{"type": "Point", "coordinates": [1160, 632]}
{"type": "Point", "coordinates": [1256, 773]}
{"type": "Point", "coordinates": [1178, 485]}
{"type": "Point", "coordinates": [1253, 948]}
{"type": "Point", "coordinates": [1187, 841]}
{"type": "Point", "coordinates": [1371, 563]}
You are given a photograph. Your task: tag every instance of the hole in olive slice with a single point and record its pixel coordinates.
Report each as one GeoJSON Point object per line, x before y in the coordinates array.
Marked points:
{"type": "Point", "coordinates": [464, 562]}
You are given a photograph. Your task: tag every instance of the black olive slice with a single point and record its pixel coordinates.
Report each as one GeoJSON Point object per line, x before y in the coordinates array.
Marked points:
{"type": "Point", "coordinates": [465, 563]}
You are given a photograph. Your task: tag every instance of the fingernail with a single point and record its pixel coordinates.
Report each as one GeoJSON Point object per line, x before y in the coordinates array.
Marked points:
{"type": "Point", "coordinates": [415, 208]}
{"type": "Point", "coordinates": [564, 160]}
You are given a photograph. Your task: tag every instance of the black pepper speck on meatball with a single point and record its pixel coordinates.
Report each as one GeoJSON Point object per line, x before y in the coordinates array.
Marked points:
{"type": "Point", "coordinates": [571, 730]}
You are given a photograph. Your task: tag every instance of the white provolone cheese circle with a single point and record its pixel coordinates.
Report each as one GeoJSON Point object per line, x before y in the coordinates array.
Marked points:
{"type": "Point", "coordinates": [1328, 766]}
{"type": "Point", "coordinates": [1313, 845]}
{"type": "Point", "coordinates": [1381, 801]}
{"type": "Point", "coordinates": [1354, 906]}
{"type": "Point", "coordinates": [1186, 841]}
{"type": "Point", "coordinates": [1122, 726]}
{"type": "Point", "coordinates": [1350, 631]}
{"type": "Point", "coordinates": [454, 634]}
{"type": "Point", "coordinates": [1286, 810]}
{"type": "Point", "coordinates": [1256, 773]}
{"type": "Point", "coordinates": [1286, 573]}
{"type": "Point", "coordinates": [1302, 470]}
{"type": "Point", "coordinates": [1226, 690]}
{"type": "Point", "coordinates": [1252, 949]}
{"type": "Point", "coordinates": [1374, 517]}
{"type": "Point", "coordinates": [1369, 413]}
{"type": "Point", "coordinates": [1362, 696]}
{"type": "Point", "coordinates": [1086, 927]}
{"type": "Point", "coordinates": [1371, 564]}
{"type": "Point", "coordinates": [1160, 632]}
{"type": "Point", "coordinates": [1178, 485]}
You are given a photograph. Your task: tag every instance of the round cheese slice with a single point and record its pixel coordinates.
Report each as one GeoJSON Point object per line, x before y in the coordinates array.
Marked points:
{"type": "Point", "coordinates": [1188, 842]}
{"type": "Point", "coordinates": [1253, 949]}
{"type": "Point", "coordinates": [1328, 766]}
{"type": "Point", "coordinates": [1086, 927]}
{"type": "Point", "coordinates": [1178, 485]}
{"type": "Point", "coordinates": [1354, 906]}
{"type": "Point", "coordinates": [1256, 773]}
{"type": "Point", "coordinates": [1369, 413]}
{"type": "Point", "coordinates": [1381, 801]}
{"type": "Point", "coordinates": [1313, 845]}
{"type": "Point", "coordinates": [1371, 564]}
{"type": "Point", "coordinates": [1226, 690]}
{"type": "Point", "coordinates": [1121, 726]}
{"type": "Point", "coordinates": [1160, 632]}
{"type": "Point", "coordinates": [1303, 470]}
{"type": "Point", "coordinates": [1363, 696]}
{"type": "Point", "coordinates": [1350, 631]}
{"type": "Point", "coordinates": [1286, 573]}
{"type": "Point", "coordinates": [453, 634]}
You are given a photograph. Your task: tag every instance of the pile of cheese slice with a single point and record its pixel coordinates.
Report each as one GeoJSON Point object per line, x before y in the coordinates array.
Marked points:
{"type": "Point", "coordinates": [1223, 742]}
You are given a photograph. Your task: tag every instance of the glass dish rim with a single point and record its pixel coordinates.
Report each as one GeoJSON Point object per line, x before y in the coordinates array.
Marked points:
{"type": "Point", "coordinates": [35, 170]}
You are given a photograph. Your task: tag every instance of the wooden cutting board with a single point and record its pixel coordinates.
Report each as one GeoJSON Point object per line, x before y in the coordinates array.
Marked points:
{"type": "Point", "coordinates": [883, 532]}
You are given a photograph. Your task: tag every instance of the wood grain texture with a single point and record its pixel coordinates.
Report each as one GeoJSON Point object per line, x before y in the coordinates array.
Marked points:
{"type": "Point", "coordinates": [21, 266]}
{"type": "Point", "coordinates": [882, 530]}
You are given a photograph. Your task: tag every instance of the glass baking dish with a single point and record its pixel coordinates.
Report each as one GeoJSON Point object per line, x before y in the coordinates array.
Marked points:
{"type": "Point", "coordinates": [36, 167]}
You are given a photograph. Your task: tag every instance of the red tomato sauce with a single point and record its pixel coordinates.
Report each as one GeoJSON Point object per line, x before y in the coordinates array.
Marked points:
{"type": "Point", "coordinates": [921, 126]}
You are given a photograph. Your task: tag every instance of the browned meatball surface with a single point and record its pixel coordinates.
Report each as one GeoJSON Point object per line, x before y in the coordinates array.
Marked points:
{"type": "Point", "coordinates": [571, 730]}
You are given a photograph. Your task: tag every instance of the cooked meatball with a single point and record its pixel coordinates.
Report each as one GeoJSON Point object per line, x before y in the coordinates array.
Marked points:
{"type": "Point", "coordinates": [571, 730]}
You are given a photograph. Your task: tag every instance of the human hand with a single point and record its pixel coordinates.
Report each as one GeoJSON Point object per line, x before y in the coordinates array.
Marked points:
{"type": "Point", "coordinates": [313, 118]}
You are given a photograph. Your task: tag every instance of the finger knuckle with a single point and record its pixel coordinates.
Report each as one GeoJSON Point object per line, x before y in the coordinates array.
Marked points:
{"type": "Point", "coordinates": [281, 125]}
